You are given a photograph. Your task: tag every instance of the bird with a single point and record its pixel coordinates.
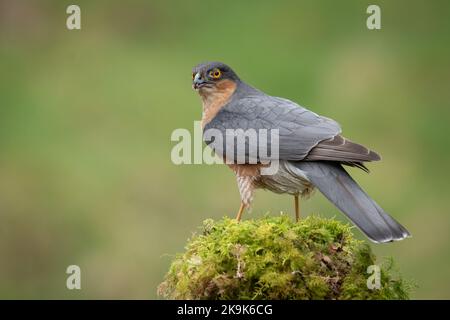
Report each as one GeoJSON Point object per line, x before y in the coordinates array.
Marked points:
{"type": "Point", "coordinates": [311, 150]}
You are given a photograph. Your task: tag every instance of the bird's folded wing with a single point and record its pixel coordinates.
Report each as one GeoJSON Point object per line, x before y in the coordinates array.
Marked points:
{"type": "Point", "coordinates": [341, 149]}
{"type": "Point", "coordinates": [299, 130]}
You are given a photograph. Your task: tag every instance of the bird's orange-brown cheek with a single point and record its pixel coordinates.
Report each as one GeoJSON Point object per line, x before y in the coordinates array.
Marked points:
{"type": "Point", "coordinates": [221, 89]}
{"type": "Point", "coordinates": [225, 84]}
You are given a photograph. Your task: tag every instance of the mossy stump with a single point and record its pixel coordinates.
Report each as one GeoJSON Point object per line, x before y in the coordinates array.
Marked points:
{"type": "Point", "coordinates": [276, 258]}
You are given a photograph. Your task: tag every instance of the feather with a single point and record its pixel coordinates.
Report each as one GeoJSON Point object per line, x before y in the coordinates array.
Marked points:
{"type": "Point", "coordinates": [299, 130]}
{"type": "Point", "coordinates": [341, 149]}
{"type": "Point", "coordinates": [338, 187]}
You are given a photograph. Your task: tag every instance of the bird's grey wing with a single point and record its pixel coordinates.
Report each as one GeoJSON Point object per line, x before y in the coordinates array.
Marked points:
{"type": "Point", "coordinates": [299, 130]}
{"type": "Point", "coordinates": [342, 150]}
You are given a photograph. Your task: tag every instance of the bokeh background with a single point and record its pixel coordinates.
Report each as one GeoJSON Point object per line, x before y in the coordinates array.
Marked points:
{"type": "Point", "coordinates": [86, 118]}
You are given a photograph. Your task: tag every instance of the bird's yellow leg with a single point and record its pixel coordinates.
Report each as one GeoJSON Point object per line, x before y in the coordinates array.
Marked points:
{"type": "Point", "coordinates": [297, 208]}
{"type": "Point", "coordinates": [241, 210]}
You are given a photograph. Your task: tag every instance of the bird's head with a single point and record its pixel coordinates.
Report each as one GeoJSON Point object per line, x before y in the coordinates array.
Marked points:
{"type": "Point", "coordinates": [211, 77]}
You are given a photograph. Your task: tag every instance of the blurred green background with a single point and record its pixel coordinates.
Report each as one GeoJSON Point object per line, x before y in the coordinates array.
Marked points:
{"type": "Point", "coordinates": [86, 118]}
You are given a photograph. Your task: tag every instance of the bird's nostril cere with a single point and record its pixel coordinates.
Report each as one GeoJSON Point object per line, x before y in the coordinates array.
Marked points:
{"type": "Point", "coordinates": [198, 81]}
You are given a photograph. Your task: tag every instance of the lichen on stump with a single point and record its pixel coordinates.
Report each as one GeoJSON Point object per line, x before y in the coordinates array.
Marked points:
{"type": "Point", "coordinates": [276, 258]}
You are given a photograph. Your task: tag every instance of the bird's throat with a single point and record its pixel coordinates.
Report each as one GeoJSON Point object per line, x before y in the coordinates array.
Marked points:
{"type": "Point", "coordinates": [213, 99]}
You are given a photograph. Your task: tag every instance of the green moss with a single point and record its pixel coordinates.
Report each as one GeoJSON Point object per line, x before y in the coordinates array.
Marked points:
{"type": "Point", "coordinates": [276, 258]}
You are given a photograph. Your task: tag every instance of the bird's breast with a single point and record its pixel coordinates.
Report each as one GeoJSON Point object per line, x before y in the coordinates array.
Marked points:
{"type": "Point", "coordinates": [246, 170]}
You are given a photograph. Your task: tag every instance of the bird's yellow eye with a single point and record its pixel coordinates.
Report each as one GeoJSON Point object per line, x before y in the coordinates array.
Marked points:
{"type": "Point", "coordinates": [215, 74]}
{"type": "Point", "coordinates": [193, 75]}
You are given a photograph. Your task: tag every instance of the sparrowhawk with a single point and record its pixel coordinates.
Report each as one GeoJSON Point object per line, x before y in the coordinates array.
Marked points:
{"type": "Point", "coordinates": [311, 149]}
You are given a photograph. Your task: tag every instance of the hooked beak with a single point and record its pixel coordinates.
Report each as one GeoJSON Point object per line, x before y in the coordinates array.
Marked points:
{"type": "Point", "coordinates": [198, 82]}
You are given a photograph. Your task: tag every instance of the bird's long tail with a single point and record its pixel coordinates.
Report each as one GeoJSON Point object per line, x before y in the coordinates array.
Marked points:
{"type": "Point", "coordinates": [337, 185]}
